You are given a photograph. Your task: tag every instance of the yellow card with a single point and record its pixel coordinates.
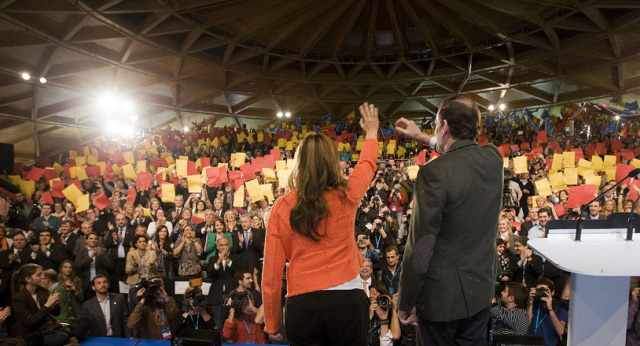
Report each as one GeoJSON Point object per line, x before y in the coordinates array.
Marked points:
{"type": "Point", "coordinates": [153, 151]}
{"type": "Point", "coordinates": [81, 160]}
{"type": "Point", "coordinates": [505, 162]}
{"type": "Point", "coordinates": [611, 173]}
{"type": "Point", "coordinates": [181, 168]}
{"type": "Point", "coordinates": [223, 164]}
{"type": "Point", "coordinates": [165, 154]}
{"type": "Point", "coordinates": [58, 168]}
{"type": "Point", "coordinates": [355, 157]}
{"type": "Point", "coordinates": [27, 187]}
{"type": "Point", "coordinates": [128, 156]}
{"type": "Point", "coordinates": [91, 159]}
{"type": "Point", "coordinates": [253, 187]}
{"type": "Point", "coordinates": [282, 142]}
{"type": "Point", "coordinates": [238, 198]}
{"type": "Point", "coordinates": [146, 212]}
{"type": "Point", "coordinates": [571, 176]}
{"type": "Point", "coordinates": [194, 183]}
{"type": "Point", "coordinates": [267, 191]}
{"type": "Point", "coordinates": [269, 175]}
{"type": "Point", "coordinates": [168, 192]}
{"type": "Point", "coordinates": [340, 146]}
{"type": "Point", "coordinates": [73, 154]}
{"type": "Point", "coordinates": [250, 138]}
{"type": "Point", "coordinates": [129, 172]}
{"type": "Point", "coordinates": [260, 137]}
{"type": "Point", "coordinates": [83, 203]}
{"type": "Point", "coordinates": [587, 173]}
{"type": "Point", "coordinates": [289, 145]}
{"type": "Point", "coordinates": [413, 171]}
{"type": "Point", "coordinates": [401, 151]}
{"type": "Point", "coordinates": [72, 192]}
{"type": "Point", "coordinates": [283, 177]}
{"type": "Point", "coordinates": [610, 160]}
{"type": "Point", "coordinates": [584, 163]}
{"type": "Point", "coordinates": [281, 165]}
{"type": "Point", "coordinates": [391, 149]}
{"type": "Point", "coordinates": [556, 180]}
{"type": "Point", "coordinates": [224, 140]}
{"type": "Point", "coordinates": [360, 143]}
{"type": "Point", "coordinates": [169, 160]}
{"type": "Point", "coordinates": [103, 167]}
{"type": "Point", "coordinates": [85, 150]}
{"type": "Point", "coordinates": [593, 180]}
{"type": "Point", "coordinates": [78, 173]}
{"type": "Point", "coordinates": [520, 164]}
{"type": "Point", "coordinates": [240, 159]}
{"type": "Point", "coordinates": [182, 157]}
{"type": "Point", "coordinates": [141, 166]}
{"type": "Point", "coordinates": [290, 164]}
{"type": "Point", "coordinates": [214, 143]}
{"type": "Point", "coordinates": [635, 163]}
{"type": "Point", "coordinates": [596, 162]}
{"type": "Point", "coordinates": [569, 159]}
{"type": "Point", "coordinates": [543, 187]}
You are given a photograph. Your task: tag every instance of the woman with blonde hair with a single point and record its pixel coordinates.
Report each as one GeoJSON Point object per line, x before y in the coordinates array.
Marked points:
{"type": "Point", "coordinates": [505, 232]}
{"type": "Point", "coordinates": [312, 227]}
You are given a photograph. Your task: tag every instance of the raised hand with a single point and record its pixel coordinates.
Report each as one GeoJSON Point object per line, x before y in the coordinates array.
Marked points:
{"type": "Point", "coordinates": [369, 121]}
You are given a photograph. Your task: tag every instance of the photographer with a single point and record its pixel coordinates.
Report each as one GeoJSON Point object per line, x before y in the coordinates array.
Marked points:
{"type": "Point", "coordinates": [155, 312]}
{"type": "Point", "coordinates": [244, 324]}
{"type": "Point", "coordinates": [397, 200]}
{"type": "Point", "coordinates": [508, 314]}
{"type": "Point", "coordinates": [378, 187]}
{"type": "Point", "coordinates": [384, 326]}
{"type": "Point", "coordinates": [547, 318]}
{"type": "Point", "coordinates": [195, 315]}
{"type": "Point", "coordinates": [366, 248]}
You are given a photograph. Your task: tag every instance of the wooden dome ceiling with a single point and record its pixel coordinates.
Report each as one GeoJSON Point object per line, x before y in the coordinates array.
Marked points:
{"type": "Point", "coordinates": [249, 59]}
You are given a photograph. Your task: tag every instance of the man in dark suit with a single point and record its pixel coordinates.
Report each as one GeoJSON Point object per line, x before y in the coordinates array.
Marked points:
{"type": "Point", "coordinates": [526, 266]}
{"type": "Point", "coordinates": [48, 255]}
{"type": "Point", "coordinates": [108, 311]}
{"type": "Point", "coordinates": [206, 227]}
{"type": "Point", "coordinates": [528, 189]}
{"type": "Point", "coordinates": [91, 261]}
{"type": "Point", "coordinates": [119, 241]}
{"type": "Point", "coordinates": [449, 263]}
{"type": "Point", "coordinates": [66, 237]}
{"type": "Point", "coordinates": [248, 244]}
{"type": "Point", "coordinates": [176, 211]}
{"type": "Point", "coordinates": [534, 223]}
{"type": "Point", "coordinates": [595, 209]}
{"type": "Point", "coordinates": [139, 219]}
{"type": "Point", "coordinates": [98, 226]}
{"type": "Point", "coordinates": [10, 261]}
{"type": "Point", "coordinates": [220, 270]}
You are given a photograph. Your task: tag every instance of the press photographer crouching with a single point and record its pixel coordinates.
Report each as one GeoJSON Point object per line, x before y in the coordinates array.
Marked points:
{"type": "Point", "coordinates": [196, 316]}
{"type": "Point", "coordinates": [244, 323]}
{"type": "Point", "coordinates": [384, 326]}
{"type": "Point", "coordinates": [155, 311]}
{"type": "Point", "coordinates": [547, 318]}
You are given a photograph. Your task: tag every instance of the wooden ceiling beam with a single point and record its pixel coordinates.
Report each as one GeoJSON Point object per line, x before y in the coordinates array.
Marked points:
{"type": "Point", "coordinates": [446, 20]}
{"type": "Point", "coordinates": [322, 27]}
{"type": "Point", "coordinates": [397, 33]}
{"type": "Point", "coordinates": [370, 37]}
{"type": "Point", "coordinates": [246, 104]}
{"type": "Point", "coordinates": [390, 111]}
{"type": "Point", "coordinates": [428, 106]}
{"type": "Point", "coordinates": [346, 29]}
{"type": "Point", "coordinates": [535, 92]}
{"type": "Point", "coordinates": [44, 112]}
{"type": "Point", "coordinates": [16, 98]}
{"type": "Point", "coordinates": [423, 29]}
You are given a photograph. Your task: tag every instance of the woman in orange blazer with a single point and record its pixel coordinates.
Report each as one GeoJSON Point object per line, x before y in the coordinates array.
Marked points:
{"type": "Point", "coordinates": [312, 226]}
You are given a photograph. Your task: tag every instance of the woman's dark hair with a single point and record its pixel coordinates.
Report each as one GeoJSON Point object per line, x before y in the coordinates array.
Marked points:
{"type": "Point", "coordinates": [135, 239]}
{"type": "Point", "coordinates": [18, 279]}
{"type": "Point", "coordinates": [316, 170]}
{"type": "Point", "coordinates": [463, 116]}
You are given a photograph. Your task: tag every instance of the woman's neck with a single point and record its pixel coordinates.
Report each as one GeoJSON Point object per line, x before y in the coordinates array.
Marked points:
{"type": "Point", "coordinates": [31, 288]}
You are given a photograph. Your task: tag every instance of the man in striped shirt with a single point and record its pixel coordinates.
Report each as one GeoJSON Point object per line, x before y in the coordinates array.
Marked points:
{"type": "Point", "coordinates": [509, 316]}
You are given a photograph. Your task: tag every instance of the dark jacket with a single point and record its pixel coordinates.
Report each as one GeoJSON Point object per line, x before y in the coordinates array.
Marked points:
{"type": "Point", "coordinates": [28, 318]}
{"type": "Point", "coordinates": [449, 263]}
{"type": "Point", "coordinates": [222, 279]}
{"type": "Point", "coordinates": [119, 310]}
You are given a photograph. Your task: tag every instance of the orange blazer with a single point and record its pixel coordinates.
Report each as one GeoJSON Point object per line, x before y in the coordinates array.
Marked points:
{"type": "Point", "coordinates": [315, 266]}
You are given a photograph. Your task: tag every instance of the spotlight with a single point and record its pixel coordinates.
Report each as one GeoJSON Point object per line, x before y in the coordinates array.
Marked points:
{"type": "Point", "coordinates": [127, 106]}
{"type": "Point", "coordinates": [25, 76]}
{"type": "Point", "coordinates": [280, 114]}
{"type": "Point", "coordinates": [287, 114]}
{"type": "Point", "coordinates": [186, 129]}
{"type": "Point", "coordinates": [43, 80]}
{"type": "Point", "coordinates": [491, 108]}
{"type": "Point", "coordinates": [126, 131]}
{"type": "Point", "coordinates": [502, 106]}
{"type": "Point", "coordinates": [106, 102]}
{"type": "Point", "coordinates": [617, 117]}
{"type": "Point", "coordinates": [133, 117]}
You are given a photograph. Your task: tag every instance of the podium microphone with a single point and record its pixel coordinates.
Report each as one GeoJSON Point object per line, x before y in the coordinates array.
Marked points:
{"type": "Point", "coordinates": [631, 175]}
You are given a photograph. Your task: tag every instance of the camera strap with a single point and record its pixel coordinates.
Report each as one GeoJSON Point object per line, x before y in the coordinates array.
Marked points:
{"type": "Point", "coordinates": [197, 322]}
{"type": "Point", "coordinates": [538, 320]}
{"type": "Point", "coordinates": [248, 328]}
{"type": "Point", "coordinates": [378, 237]}
{"type": "Point", "coordinates": [161, 312]}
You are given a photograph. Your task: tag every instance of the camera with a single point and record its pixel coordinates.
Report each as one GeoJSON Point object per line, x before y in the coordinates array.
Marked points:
{"type": "Point", "coordinates": [383, 302]}
{"type": "Point", "coordinates": [385, 214]}
{"type": "Point", "coordinates": [239, 299]}
{"type": "Point", "coordinates": [379, 225]}
{"type": "Point", "coordinates": [153, 289]}
{"type": "Point", "coordinates": [194, 300]}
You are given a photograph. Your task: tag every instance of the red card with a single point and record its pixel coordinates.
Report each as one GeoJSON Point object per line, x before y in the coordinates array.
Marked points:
{"type": "Point", "coordinates": [559, 210]}
{"type": "Point", "coordinates": [154, 162]}
{"type": "Point", "coordinates": [524, 145]}
{"type": "Point", "coordinates": [627, 154]}
{"type": "Point", "coordinates": [204, 162]}
{"type": "Point", "coordinates": [92, 171]}
{"type": "Point", "coordinates": [248, 172]}
{"type": "Point", "coordinates": [237, 183]}
{"type": "Point", "coordinates": [542, 136]}
{"type": "Point", "coordinates": [46, 197]}
{"type": "Point", "coordinates": [131, 195]}
{"type": "Point", "coordinates": [422, 158]}
{"type": "Point", "coordinates": [163, 162]}
{"type": "Point", "coordinates": [144, 180]}
{"type": "Point", "coordinates": [101, 201]}
{"type": "Point", "coordinates": [50, 173]}
{"type": "Point", "coordinates": [482, 140]}
{"type": "Point", "coordinates": [56, 189]}
{"type": "Point", "coordinates": [67, 171]}
{"type": "Point", "coordinates": [616, 145]}
{"type": "Point", "coordinates": [223, 178]}
{"type": "Point", "coordinates": [601, 148]}
{"type": "Point", "coordinates": [433, 155]}
{"type": "Point", "coordinates": [504, 150]}
{"type": "Point", "coordinates": [575, 197]}
{"type": "Point", "coordinates": [191, 168]}
{"type": "Point", "coordinates": [588, 193]}
{"type": "Point", "coordinates": [44, 161]}
{"type": "Point", "coordinates": [213, 174]}
{"type": "Point", "coordinates": [197, 220]}
{"type": "Point", "coordinates": [103, 157]}
{"type": "Point", "coordinates": [590, 150]}
{"type": "Point", "coordinates": [160, 178]}
{"type": "Point", "coordinates": [35, 173]}
{"type": "Point", "coordinates": [622, 171]}
{"type": "Point", "coordinates": [75, 182]}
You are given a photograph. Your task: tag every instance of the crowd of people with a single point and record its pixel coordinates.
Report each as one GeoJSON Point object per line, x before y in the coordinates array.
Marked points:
{"type": "Point", "coordinates": [109, 269]}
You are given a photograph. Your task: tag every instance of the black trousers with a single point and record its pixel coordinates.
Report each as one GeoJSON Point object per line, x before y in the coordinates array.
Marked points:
{"type": "Point", "coordinates": [328, 318]}
{"type": "Point", "coordinates": [464, 332]}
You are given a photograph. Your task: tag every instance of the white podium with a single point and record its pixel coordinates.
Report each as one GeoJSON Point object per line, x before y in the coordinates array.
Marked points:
{"type": "Point", "coordinates": [600, 265]}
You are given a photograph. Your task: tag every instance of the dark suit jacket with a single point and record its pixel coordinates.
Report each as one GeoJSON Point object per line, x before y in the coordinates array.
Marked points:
{"type": "Point", "coordinates": [109, 243]}
{"type": "Point", "coordinates": [250, 256]}
{"type": "Point", "coordinates": [528, 274]}
{"type": "Point", "coordinates": [28, 318]}
{"type": "Point", "coordinates": [222, 280]}
{"type": "Point", "coordinates": [119, 315]}
{"type": "Point", "coordinates": [9, 267]}
{"type": "Point", "coordinates": [57, 255]}
{"type": "Point", "coordinates": [83, 265]}
{"type": "Point", "coordinates": [449, 263]}
{"type": "Point", "coordinates": [71, 243]}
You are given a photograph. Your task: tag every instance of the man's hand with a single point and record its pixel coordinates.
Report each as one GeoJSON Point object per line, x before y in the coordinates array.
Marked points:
{"type": "Point", "coordinates": [276, 337]}
{"type": "Point", "coordinates": [409, 128]}
{"type": "Point", "coordinates": [408, 317]}
{"type": "Point", "coordinates": [549, 301]}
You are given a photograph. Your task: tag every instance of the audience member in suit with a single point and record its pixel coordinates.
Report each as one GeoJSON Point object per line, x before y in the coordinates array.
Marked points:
{"type": "Point", "coordinates": [108, 311]}
{"type": "Point", "coordinates": [248, 243]}
{"type": "Point", "coordinates": [204, 228]}
{"type": "Point", "coordinates": [119, 242]}
{"type": "Point", "coordinates": [48, 255]}
{"type": "Point", "coordinates": [92, 261]}
{"type": "Point", "coordinates": [526, 266]}
{"type": "Point", "coordinates": [46, 220]}
{"type": "Point", "coordinates": [366, 275]}
{"type": "Point", "coordinates": [10, 261]}
{"type": "Point", "coordinates": [66, 236]}
{"type": "Point", "coordinates": [219, 207]}
{"type": "Point", "coordinates": [220, 270]}
{"type": "Point", "coordinates": [176, 211]}
{"type": "Point", "coordinates": [595, 210]}
{"type": "Point", "coordinates": [98, 226]}
{"type": "Point", "coordinates": [527, 225]}
{"type": "Point", "coordinates": [139, 219]}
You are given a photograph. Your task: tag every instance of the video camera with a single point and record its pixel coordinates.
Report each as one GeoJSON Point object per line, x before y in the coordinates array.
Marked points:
{"type": "Point", "coordinates": [153, 289]}
{"type": "Point", "coordinates": [195, 298]}
{"type": "Point", "coordinates": [239, 299]}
